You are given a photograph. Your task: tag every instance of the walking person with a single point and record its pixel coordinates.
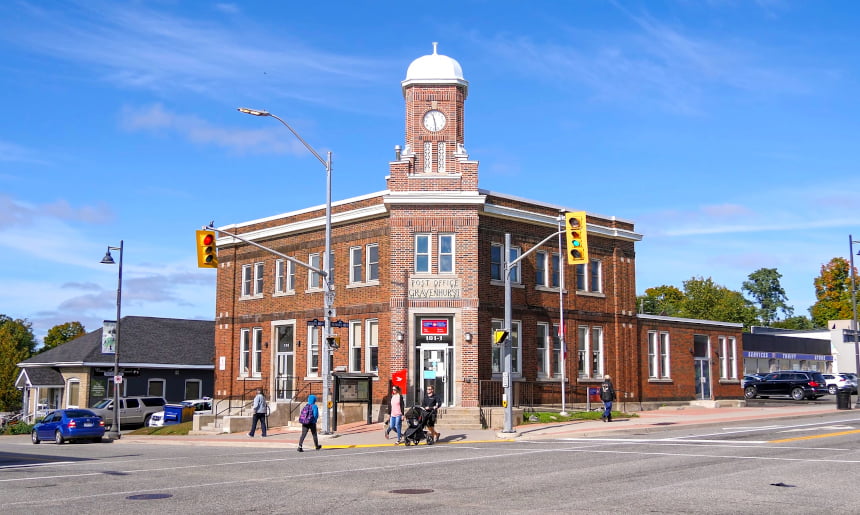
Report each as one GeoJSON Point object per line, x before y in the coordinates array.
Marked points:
{"type": "Point", "coordinates": [398, 407]}
{"type": "Point", "coordinates": [260, 408]}
{"type": "Point", "coordinates": [432, 403]}
{"type": "Point", "coordinates": [308, 418]}
{"type": "Point", "coordinates": [607, 395]}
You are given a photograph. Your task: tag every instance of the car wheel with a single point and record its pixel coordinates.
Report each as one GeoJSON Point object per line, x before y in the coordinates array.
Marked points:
{"type": "Point", "coordinates": [750, 392]}
{"type": "Point", "coordinates": [798, 394]}
{"type": "Point", "coordinates": [58, 437]}
{"type": "Point", "coordinates": [146, 420]}
{"type": "Point", "coordinates": [34, 437]}
{"type": "Point", "coordinates": [832, 389]}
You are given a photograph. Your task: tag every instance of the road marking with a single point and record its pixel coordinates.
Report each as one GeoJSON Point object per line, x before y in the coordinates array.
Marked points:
{"type": "Point", "coordinates": [810, 437]}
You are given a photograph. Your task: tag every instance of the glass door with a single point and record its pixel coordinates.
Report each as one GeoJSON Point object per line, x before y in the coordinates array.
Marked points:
{"type": "Point", "coordinates": [437, 369]}
{"type": "Point", "coordinates": [703, 379]}
{"type": "Point", "coordinates": [284, 362]}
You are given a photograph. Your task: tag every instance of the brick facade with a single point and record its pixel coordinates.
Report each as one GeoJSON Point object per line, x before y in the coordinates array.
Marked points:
{"type": "Point", "coordinates": [413, 307]}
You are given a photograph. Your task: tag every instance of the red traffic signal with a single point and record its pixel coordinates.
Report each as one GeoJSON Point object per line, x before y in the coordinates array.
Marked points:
{"type": "Point", "coordinates": [207, 255]}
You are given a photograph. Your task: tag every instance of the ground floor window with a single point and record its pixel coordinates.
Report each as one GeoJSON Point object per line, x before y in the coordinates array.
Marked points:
{"type": "Point", "coordinates": [590, 352]}
{"type": "Point", "coordinates": [516, 349]}
{"type": "Point", "coordinates": [155, 387]}
{"type": "Point", "coordinates": [193, 389]}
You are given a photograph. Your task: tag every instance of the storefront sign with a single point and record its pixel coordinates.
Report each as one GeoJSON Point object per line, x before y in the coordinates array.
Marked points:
{"type": "Point", "coordinates": [434, 288]}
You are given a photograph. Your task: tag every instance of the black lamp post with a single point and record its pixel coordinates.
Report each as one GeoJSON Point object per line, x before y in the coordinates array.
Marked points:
{"type": "Point", "coordinates": [114, 433]}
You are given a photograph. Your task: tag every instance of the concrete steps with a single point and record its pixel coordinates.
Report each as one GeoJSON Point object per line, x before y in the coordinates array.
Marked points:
{"type": "Point", "coordinates": [459, 418]}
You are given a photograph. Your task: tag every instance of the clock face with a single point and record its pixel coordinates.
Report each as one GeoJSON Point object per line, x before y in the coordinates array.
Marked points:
{"type": "Point", "coordinates": [434, 120]}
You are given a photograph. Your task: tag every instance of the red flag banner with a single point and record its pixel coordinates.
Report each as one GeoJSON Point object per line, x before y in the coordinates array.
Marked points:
{"type": "Point", "coordinates": [399, 379]}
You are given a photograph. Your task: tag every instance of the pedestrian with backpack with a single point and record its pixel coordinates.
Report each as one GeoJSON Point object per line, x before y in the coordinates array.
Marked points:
{"type": "Point", "coordinates": [308, 419]}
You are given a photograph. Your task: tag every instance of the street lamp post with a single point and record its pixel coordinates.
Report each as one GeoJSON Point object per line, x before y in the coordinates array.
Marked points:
{"type": "Point", "coordinates": [851, 243]}
{"type": "Point", "coordinates": [328, 296]}
{"type": "Point", "coordinates": [114, 433]}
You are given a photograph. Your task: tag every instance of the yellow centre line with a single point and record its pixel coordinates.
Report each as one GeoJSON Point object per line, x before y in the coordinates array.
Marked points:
{"type": "Point", "coordinates": [841, 433]}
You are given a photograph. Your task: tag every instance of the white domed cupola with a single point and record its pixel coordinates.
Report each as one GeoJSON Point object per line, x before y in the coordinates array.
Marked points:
{"type": "Point", "coordinates": [435, 69]}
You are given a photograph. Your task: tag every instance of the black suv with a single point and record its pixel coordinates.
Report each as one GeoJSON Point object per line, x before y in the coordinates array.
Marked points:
{"type": "Point", "coordinates": [796, 384]}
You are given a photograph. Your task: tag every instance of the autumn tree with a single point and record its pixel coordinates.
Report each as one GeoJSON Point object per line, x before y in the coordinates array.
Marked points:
{"type": "Point", "coordinates": [16, 344]}
{"type": "Point", "coordinates": [661, 300]}
{"type": "Point", "coordinates": [60, 334]}
{"type": "Point", "coordinates": [766, 291]}
{"type": "Point", "coordinates": [833, 291]}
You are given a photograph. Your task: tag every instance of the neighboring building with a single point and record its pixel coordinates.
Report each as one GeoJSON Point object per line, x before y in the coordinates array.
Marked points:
{"type": "Point", "coordinates": [418, 276]}
{"type": "Point", "coordinates": [830, 350]}
{"type": "Point", "coordinates": [159, 356]}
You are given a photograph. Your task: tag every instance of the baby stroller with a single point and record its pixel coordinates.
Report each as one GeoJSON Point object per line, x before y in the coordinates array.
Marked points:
{"type": "Point", "coordinates": [417, 418]}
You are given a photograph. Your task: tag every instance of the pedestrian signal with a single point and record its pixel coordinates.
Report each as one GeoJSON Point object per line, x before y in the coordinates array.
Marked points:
{"type": "Point", "coordinates": [499, 336]}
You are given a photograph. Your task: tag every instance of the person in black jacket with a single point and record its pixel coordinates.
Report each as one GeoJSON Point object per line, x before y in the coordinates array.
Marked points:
{"type": "Point", "coordinates": [432, 402]}
{"type": "Point", "coordinates": [607, 395]}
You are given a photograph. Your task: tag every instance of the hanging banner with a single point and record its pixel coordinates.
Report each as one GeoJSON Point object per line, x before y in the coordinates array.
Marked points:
{"type": "Point", "coordinates": [109, 337]}
{"type": "Point", "coordinates": [399, 379]}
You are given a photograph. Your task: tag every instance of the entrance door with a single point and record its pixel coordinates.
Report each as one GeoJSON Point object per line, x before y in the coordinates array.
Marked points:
{"type": "Point", "coordinates": [437, 369]}
{"type": "Point", "coordinates": [284, 362]}
{"type": "Point", "coordinates": [703, 379]}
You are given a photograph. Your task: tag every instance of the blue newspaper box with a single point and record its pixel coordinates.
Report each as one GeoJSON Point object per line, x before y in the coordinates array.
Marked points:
{"type": "Point", "coordinates": [176, 413]}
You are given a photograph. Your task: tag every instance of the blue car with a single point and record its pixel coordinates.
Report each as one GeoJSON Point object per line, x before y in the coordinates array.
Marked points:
{"type": "Point", "coordinates": [69, 424]}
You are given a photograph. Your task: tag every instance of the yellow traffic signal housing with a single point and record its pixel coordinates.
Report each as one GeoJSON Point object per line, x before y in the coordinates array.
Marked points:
{"type": "Point", "coordinates": [577, 239]}
{"type": "Point", "coordinates": [207, 256]}
{"type": "Point", "coordinates": [499, 336]}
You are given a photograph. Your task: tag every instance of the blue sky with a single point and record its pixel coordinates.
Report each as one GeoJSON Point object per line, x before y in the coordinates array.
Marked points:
{"type": "Point", "coordinates": [726, 130]}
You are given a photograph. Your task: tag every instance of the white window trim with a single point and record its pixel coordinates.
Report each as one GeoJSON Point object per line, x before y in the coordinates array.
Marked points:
{"type": "Point", "coordinates": [315, 280]}
{"type": "Point", "coordinates": [453, 253]}
{"type": "Point", "coordinates": [429, 254]}
{"type": "Point", "coordinates": [516, 346]}
{"type": "Point", "coordinates": [314, 335]}
{"type": "Point", "coordinates": [588, 350]}
{"type": "Point", "coordinates": [199, 384]}
{"type": "Point", "coordinates": [257, 352]}
{"type": "Point", "coordinates": [355, 343]}
{"type": "Point", "coordinates": [356, 262]}
{"type": "Point", "coordinates": [370, 343]}
{"type": "Point", "coordinates": [544, 358]}
{"type": "Point", "coordinates": [69, 391]}
{"type": "Point", "coordinates": [244, 352]}
{"type": "Point", "coordinates": [156, 380]}
{"type": "Point", "coordinates": [247, 282]}
{"type": "Point", "coordinates": [542, 279]}
{"type": "Point", "coordinates": [259, 279]}
{"type": "Point", "coordinates": [368, 263]}
{"type": "Point", "coordinates": [285, 274]}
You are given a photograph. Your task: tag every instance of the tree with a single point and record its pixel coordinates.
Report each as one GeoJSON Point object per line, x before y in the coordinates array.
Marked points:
{"type": "Point", "coordinates": [706, 300]}
{"type": "Point", "coordinates": [763, 286]}
{"type": "Point", "coordinates": [833, 291]}
{"type": "Point", "coordinates": [60, 334]}
{"type": "Point", "coordinates": [16, 344]}
{"type": "Point", "coordinates": [798, 323]}
{"type": "Point", "coordinates": [662, 300]}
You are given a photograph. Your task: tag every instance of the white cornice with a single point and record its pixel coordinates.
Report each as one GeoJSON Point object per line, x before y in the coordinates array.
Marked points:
{"type": "Point", "coordinates": [353, 215]}
{"type": "Point", "coordinates": [552, 221]}
{"type": "Point", "coordinates": [435, 197]}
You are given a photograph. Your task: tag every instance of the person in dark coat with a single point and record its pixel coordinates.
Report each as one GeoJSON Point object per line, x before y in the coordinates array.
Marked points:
{"type": "Point", "coordinates": [607, 395]}
{"type": "Point", "coordinates": [432, 402]}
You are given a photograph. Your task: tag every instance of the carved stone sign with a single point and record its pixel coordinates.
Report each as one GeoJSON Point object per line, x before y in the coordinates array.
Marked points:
{"type": "Point", "coordinates": [434, 288]}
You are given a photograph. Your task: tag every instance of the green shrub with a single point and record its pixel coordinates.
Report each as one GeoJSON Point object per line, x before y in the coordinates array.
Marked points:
{"type": "Point", "coordinates": [18, 428]}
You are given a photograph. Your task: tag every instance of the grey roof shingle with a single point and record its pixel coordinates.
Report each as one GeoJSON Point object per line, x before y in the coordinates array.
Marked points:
{"type": "Point", "coordinates": [143, 340]}
{"type": "Point", "coordinates": [43, 376]}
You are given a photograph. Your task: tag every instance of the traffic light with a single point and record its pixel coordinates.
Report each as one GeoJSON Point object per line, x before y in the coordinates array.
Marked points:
{"type": "Point", "coordinates": [577, 239]}
{"type": "Point", "coordinates": [207, 257]}
{"type": "Point", "coordinates": [499, 336]}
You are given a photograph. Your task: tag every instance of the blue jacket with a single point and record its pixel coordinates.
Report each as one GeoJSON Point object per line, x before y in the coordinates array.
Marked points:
{"type": "Point", "coordinates": [312, 400]}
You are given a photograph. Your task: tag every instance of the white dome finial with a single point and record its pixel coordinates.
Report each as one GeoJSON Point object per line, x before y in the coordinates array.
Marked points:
{"type": "Point", "coordinates": [435, 44]}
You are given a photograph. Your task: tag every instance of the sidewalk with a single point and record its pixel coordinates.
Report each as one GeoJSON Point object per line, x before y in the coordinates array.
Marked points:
{"type": "Point", "coordinates": [360, 434]}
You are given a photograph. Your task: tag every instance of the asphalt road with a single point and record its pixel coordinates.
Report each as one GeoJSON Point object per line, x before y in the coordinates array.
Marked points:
{"type": "Point", "coordinates": [800, 465]}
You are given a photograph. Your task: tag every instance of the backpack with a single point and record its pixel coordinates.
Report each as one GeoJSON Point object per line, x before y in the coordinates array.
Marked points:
{"type": "Point", "coordinates": [307, 415]}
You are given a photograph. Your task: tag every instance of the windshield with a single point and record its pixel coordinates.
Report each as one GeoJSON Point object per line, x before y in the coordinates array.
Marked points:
{"type": "Point", "coordinates": [102, 404]}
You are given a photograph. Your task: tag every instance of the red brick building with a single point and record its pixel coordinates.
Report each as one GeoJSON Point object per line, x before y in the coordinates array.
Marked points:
{"type": "Point", "coordinates": [418, 278]}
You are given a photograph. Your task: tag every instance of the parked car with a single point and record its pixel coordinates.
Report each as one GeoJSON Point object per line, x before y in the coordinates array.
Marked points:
{"type": "Point", "coordinates": [203, 405]}
{"type": "Point", "coordinates": [749, 378]}
{"type": "Point", "coordinates": [852, 380]}
{"type": "Point", "coordinates": [796, 384]}
{"type": "Point", "coordinates": [835, 382]}
{"type": "Point", "coordinates": [69, 424]}
{"type": "Point", "coordinates": [132, 410]}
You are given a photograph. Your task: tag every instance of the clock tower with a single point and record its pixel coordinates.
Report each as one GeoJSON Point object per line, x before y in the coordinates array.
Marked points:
{"type": "Point", "coordinates": [434, 157]}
